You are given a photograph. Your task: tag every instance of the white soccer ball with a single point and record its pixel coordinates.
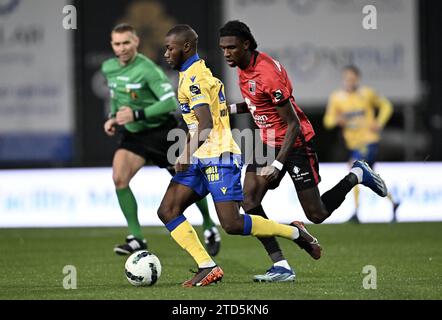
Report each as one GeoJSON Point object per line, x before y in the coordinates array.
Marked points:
{"type": "Point", "coordinates": [142, 268]}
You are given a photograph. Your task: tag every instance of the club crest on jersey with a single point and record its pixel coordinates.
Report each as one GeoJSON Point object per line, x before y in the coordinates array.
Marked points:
{"type": "Point", "coordinates": [278, 95]}
{"type": "Point", "coordinates": [195, 89]}
{"type": "Point", "coordinates": [252, 87]}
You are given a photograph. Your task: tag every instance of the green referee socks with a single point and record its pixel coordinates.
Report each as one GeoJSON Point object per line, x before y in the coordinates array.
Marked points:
{"type": "Point", "coordinates": [204, 208]}
{"type": "Point", "coordinates": [128, 205]}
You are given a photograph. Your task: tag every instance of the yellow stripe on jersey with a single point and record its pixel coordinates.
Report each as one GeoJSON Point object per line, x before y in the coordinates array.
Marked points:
{"type": "Point", "coordinates": [357, 111]}
{"type": "Point", "coordinates": [197, 86]}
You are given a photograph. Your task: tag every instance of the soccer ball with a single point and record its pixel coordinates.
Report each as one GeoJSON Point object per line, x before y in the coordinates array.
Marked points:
{"type": "Point", "coordinates": [142, 268]}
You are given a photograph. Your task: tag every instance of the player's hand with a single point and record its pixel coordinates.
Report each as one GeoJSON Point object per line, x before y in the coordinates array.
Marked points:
{"type": "Point", "coordinates": [270, 173]}
{"type": "Point", "coordinates": [375, 127]}
{"type": "Point", "coordinates": [181, 164]}
{"type": "Point", "coordinates": [109, 127]}
{"type": "Point", "coordinates": [341, 121]}
{"type": "Point", "coordinates": [125, 115]}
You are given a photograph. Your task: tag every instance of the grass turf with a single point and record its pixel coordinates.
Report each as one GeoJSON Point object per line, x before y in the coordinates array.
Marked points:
{"type": "Point", "coordinates": [408, 259]}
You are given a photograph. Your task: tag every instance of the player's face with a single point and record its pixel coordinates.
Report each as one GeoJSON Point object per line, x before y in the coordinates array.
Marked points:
{"type": "Point", "coordinates": [174, 53]}
{"type": "Point", "coordinates": [233, 49]}
{"type": "Point", "coordinates": [125, 45]}
{"type": "Point", "coordinates": [350, 80]}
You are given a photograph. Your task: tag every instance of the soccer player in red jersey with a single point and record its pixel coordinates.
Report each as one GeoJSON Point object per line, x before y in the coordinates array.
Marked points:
{"type": "Point", "coordinates": [267, 91]}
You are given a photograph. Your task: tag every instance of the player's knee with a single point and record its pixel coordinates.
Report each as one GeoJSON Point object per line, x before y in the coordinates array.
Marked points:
{"type": "Point", "coordinates": [315, 211]}
{"type": "Point", "coordinates": [250, 204]}
{"type": "Point", "coordinates": [316, 219]}
{"type": "Point", "coordinates": [166, 213]}
{"type": "Point", "coordinates": [250, 200]}
{"type": "Point", "coordinates": [232, 227]}
{"type": "Point", "coordinates": [162, 214]}
{"type": "Point", "coordinates": [316, 216]}
{"type": "Point", "coordinates": [120, 181]}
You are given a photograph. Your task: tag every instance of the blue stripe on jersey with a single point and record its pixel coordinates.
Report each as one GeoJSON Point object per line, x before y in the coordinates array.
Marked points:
{"type": "Point", "coordinates": [199, 105]}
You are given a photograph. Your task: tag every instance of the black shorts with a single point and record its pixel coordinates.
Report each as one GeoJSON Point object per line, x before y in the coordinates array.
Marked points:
{"type": "Point", "coordinates": [301, 164]}
{"type": "Point", "coordinates": [150, 144]}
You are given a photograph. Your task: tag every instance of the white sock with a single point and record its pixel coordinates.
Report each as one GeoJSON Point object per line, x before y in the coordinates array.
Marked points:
{"type": "Point", "coordinates": [282, 263]}
{"type": "Point", "coordinates": [209, 264]}
{"type": "Point", "coordinates": [358, 173]}
{"type": "Point", "coordinates": [295, 233]}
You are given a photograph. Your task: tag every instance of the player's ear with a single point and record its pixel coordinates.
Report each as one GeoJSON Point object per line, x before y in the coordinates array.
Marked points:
{"type": "Point", "coordinates": [246, 44]}
{"type": "Point", "coordinates": [186, 46]}
{"type": "Point", "coordinates": [136, 41]}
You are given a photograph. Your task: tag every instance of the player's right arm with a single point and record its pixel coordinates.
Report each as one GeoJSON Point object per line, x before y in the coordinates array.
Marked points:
{"type": "Point", "coordinates": [111, 122]}
{"type": "Point", "coordinates": [197, 95]}
{"type": "Point", "coordinates": [109, 126]}
{"type": "Point", "coordinates": [238, 108]}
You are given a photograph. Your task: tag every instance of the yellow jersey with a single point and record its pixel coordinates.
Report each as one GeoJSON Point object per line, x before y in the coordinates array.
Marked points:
{"type": "Point", "coordinates": [357, 111]}
{"type": "Point", "coordinates": [197, 86]}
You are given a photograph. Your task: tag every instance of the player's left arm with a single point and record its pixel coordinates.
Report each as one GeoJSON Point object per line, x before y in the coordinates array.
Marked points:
{"type": "Point", "coordinates": [385, 110]}
{"type": "Point", "coordinates": [287, 113]}
{"type": "Point", "coordinates": [160, 85]}
{"type": "Point", "coordinates": [277, 88]}
{"type": "Point", "coordinates": [163, 91]}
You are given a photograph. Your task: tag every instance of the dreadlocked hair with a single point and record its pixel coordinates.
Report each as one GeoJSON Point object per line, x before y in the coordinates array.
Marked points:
{"type": "Point", "coordinates": [238, 29]}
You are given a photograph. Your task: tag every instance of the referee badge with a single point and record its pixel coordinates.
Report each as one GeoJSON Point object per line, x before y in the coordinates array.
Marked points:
{"type": "Point", "coordinates": [133, 95]}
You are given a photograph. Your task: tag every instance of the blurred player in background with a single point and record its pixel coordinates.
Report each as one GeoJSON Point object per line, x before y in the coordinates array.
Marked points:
{"type": "Point", "coordinates": [142, 99]}
{"type": "Point", "coordinates": [267, 92]}
{"type": "Point", "coordinates": [210, 163]}
{"type": "Point", "coordinates": [353, 108]}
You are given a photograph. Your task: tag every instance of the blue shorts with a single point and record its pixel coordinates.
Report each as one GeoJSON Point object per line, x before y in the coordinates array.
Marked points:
{"type": "Point", "coordinates": [222, 179]}
{"type": "Point", "coordinates": [368, 153]}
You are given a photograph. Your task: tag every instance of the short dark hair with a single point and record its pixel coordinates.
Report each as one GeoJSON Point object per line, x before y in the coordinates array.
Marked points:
{"type": "Point", "coordinates": [352, 68]}
{"type": "Point", "coordinates": [238, 29]}
{"type": "Point", "coordinates": [124, 27]}
{"type": "Point", "coordinates": [186, 32]}
{"type": "Point", "coordinates": [180, 29]}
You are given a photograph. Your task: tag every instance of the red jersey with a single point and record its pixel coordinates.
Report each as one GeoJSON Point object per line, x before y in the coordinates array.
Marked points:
{"type": "Point", "coordinates": [264, 85]}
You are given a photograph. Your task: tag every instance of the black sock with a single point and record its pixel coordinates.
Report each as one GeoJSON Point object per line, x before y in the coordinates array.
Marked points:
{"type": "Point", "coordinates": [270, 244]}
{"type": "Point", "coordinates": [333, 198]}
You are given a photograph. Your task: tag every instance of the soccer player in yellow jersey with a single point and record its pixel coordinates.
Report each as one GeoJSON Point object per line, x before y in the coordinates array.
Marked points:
{"type": "Point", "coordinates": [210, 163]}
{"type": "Point", "coordinates": [353, 108]}
{"type": "Point", "coordinates": [142, 100]}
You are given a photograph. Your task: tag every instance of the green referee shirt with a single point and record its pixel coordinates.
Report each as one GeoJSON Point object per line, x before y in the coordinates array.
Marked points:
{"type": "Point", "coordinates": [141, 84]}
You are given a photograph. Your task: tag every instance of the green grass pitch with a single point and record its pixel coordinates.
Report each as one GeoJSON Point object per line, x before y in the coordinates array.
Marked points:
{"type": "Point", "coordinates": [407, 257]}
